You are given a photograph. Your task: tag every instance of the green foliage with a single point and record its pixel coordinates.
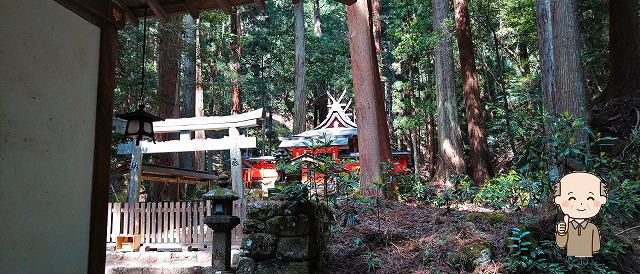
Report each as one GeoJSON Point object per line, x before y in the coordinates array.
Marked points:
{"type": "Point", "coordinates": [522, 255]}
{"type": "Point", "coordinates": [373, 261]}
{"type": "Point", "coordinates": [505, 191]}
{"type": "Point", "coordinates": [293, 192]}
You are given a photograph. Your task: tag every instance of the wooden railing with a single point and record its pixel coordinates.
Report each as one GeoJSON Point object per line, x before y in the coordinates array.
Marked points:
{"type": "Point", "coordinates": [163, 222]}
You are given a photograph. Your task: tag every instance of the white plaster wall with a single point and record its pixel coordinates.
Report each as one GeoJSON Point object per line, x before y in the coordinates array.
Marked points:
{"type": "Point", "coordinates": [48, 83]}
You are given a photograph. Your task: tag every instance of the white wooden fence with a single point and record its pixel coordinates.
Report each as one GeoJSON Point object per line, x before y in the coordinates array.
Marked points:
{"type": "Point", "coordinates": [164, 222]}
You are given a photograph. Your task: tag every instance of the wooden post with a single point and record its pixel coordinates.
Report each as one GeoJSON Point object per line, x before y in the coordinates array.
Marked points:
{"type": "Point", "coordinates": [373, 134]}
{"type": "Point", "coordinates": [135, 174]}
{"type": "Point", "coordinates": [101, 149]}
{"type": "Point", "coordinates": [236, 172]}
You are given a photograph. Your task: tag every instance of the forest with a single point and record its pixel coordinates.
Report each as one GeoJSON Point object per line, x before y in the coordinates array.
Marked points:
{"type": "Point", "coordinates": [494, 100]}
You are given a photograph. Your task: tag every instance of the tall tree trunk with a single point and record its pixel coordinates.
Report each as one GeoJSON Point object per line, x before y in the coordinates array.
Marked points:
{"type": "Point", "coordinates": [570, 94]}
{"type": "Point", "coordinates": [624, 48]}
{"type": "Point", "coordinates": [523, 55]}
{"type": "Point", "coordinates": [199, 99]}
{"type": "Point", "coordinates": [373, 134]}
{"type": "Point", "coordinates": [168, 101]}
{"type": "Point", "coordinates": [377, 27]}
{"type": "Point", "coordinates": [188, 86]}
{"type": "Point", "coordinates": [430, 152]}
{"type": "Point", "coordinates": [300, 96]}
{"type": "Point", "coordinates": [320, 103]}
{"type": "Point", "coordinates": [236, 50]}
{"type": "Point", "coordinates": [451, 157]}
{"type": "Point", "coordinates": [317, 24]}
{"type": "Point", "coordinates": [547, 67]}
{"type": "Point", "coordinates": [415, 138]}
{"type": "Point", "coordinates": [500, 80]}
{"type": "Point", "coordinates": [481, 169]}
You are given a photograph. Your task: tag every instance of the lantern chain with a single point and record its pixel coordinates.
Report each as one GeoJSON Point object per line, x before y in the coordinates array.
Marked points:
{"type": "Point", "coordinates": [144, 55]}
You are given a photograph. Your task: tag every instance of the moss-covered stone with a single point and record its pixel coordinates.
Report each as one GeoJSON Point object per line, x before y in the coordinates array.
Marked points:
{"type": "Point", "coordinates": [296, 267]}
{"type": "Point", "coordinates": [288, 225]}
{"type": "Point", "coordinates": [253, 226]}
{"type": "Point", "coordinates": [246, 265]}
{"type": "Point", "coordinates": [259, 245]}
{"type": "Point", "coordinates": [293, 248]}
{"type": "Point", "coordinates": [290, 208]}
{"type": "Point", "coordinates": [470, 256]}
{"type": "Point", "coordinates": [496, 219]}
{"type": "Point", "coordinates": [262, 210]}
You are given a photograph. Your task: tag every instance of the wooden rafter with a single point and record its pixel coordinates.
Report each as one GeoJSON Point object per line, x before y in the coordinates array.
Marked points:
{"type": "Point", "coordinates": [158, 9]}
{"type": "Point", "coordinates": [192, 9]}
{"type": "Point", "coordinates": [225, 6]}
{"type": "Point", "coordinates": [132, 18]}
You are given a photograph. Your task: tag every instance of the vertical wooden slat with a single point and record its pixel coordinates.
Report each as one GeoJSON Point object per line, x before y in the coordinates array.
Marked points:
{"type": "Point", "coordinates": [125, 219]}
{"type": "Point", "coordinates": [142, 221]}
{"type": "Point", "coordinates": [116, 221]}
{"type": "Point", "coordinates": [147, 223]}
{"type": "Point", "coordinates": [109, 222]}
{"type": "Point", "coordinates": [196, 220]}
{"type": "Point", "coordinates": [170, 230]}
{"type": "Point", "coordinates": [154, 223]}
{"type": "Point", "coordinates": [178, 236]}
{"type": "Point", "coordinates": [159, 223]}
{"type": "Point", "coordinates": [183, 221]}
{"type": "Point", "coordinates": [136, 218]}
{"type": "Point", "coordinates": [208, 231]}
{"type": "Point", "coordinates": [201, 222]}
{"type": "Point", "coordinates": [173, 222]}
{"type": "Point", "coordinates": [165, 224]}
{"type": "Point", "coordinates": [189, 221]}
{"type": "Point", "coordinates": [132, 207]}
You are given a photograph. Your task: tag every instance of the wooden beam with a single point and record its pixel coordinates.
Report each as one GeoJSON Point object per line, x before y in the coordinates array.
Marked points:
{"type": "Point", "coordinates": [261, 4]}
{"type": "Point", "coordinates": [169, 126]}
{"type": "Point", "coordinates": [153, 170]}
{"type": "Point", "coordinates": [132, 18]}
{"type": "Point", "coordinates": [94, 11]}
{"type": "Point", "coordinates": [173, 179]}
{"type": "Point", "coordinates": [102, 149]}
{"type": "Point", "coordinates": [192, 9]}
{"type": "Point", "coordinates": [190, 145]}
{"type": "Point", "coordinates": [225, 6]}
{"type": "Point", "coordinates": [244, 120]}
{"type": "Point", "coordinates": [158, 10]}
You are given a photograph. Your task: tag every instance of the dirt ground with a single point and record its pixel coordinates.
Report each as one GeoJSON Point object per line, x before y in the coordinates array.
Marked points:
{"type": "Point", "coordinates": [406, 231]}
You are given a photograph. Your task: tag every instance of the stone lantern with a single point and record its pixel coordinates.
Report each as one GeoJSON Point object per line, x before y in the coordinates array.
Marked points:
{"type": "Point", "coordinates": [221, 222]}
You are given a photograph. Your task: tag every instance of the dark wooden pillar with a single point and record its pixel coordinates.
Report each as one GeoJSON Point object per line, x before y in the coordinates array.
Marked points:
{"type": "Point", "coordinates": [102, 149]}
{"type": "Point", "coordinates": [373, 134]}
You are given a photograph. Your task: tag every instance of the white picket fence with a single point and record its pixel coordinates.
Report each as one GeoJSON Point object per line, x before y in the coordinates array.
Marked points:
{"type": "Point", "coordinates": [164, 222]}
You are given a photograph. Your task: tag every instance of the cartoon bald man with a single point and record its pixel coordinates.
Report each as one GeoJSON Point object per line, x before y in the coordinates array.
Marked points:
{"type": "Point", "coordinates": [580, 195]}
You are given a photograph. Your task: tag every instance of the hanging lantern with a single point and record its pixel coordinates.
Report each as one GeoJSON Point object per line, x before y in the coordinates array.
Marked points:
{"type": "Point", "coordinates": [140, 124]}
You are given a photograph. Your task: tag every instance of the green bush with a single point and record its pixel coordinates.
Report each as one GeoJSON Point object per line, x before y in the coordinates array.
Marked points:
{"type": "Point", "coordinates": [505, 191]}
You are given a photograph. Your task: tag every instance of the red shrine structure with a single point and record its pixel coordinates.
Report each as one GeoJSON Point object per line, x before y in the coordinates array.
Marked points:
{"type": "Point", "coordinates": [337, 127]}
